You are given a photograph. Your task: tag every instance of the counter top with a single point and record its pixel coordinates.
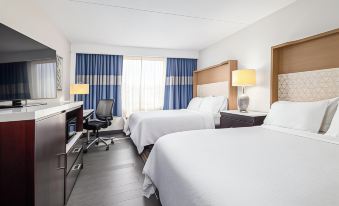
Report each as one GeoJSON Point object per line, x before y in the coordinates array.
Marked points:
{"type": "Point", "coordinates": [35, 112]}
{"type": "Point", "coordinates": [249, 113]}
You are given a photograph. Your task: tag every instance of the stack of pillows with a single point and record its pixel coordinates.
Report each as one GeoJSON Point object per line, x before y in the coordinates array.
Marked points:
{"type": "Point", "coordinates": [210, 104]}
{"type": "Point", "coordinates": [316, 117]}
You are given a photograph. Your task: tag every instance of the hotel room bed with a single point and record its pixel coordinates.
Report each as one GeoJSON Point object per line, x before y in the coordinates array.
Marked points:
{"type": "Point", "coordinates": [213, 93]}
{"type": "Point", "coordinates": [145, 128]}
{"type": "Point", "coordinates": [264, 165]}
{"type": "Point", "coordinates": [290, 161]}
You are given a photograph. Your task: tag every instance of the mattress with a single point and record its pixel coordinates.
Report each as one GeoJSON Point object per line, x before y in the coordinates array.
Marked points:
{"type": "Point", "coordinates": [216, 118]}
{"type": "Point", "coordinates": [244, 166]}
{"type": "Point", "coordinates": [145, 128]}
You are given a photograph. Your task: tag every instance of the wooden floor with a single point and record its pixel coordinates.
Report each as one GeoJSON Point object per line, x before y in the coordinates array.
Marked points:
{"type": "Point", "coordinates": [111, 178]}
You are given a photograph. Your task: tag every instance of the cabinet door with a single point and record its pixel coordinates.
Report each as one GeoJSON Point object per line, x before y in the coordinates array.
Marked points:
{"type": "Point", "coordinates": [50, 161]}
{"type": "Point", "coordinates": [227, 121]}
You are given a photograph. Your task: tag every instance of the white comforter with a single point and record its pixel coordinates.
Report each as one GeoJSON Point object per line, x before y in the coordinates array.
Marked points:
{"type": "Point", "coordinates": [145, 128]}
{"type": "Point", "coordinates": [254, 166]}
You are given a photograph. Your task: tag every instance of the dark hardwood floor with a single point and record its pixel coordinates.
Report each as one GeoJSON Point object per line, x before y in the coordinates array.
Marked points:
{"type": "Point", "coordinates": [111, 177]}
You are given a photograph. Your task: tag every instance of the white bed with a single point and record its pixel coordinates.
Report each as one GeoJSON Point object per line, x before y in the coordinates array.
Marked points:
{"type": "Point", "coordinates": [284, 163]}
{"type": "Point", "coordinates": [145, 128]}
{"type": "Point", "coordinates": [244, 166]}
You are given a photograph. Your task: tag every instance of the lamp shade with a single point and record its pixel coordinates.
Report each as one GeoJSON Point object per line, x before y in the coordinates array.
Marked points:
{"type": "Point", "coordinates": [79, 89]}
{"type": "Point", "coordinates": [244, 77]}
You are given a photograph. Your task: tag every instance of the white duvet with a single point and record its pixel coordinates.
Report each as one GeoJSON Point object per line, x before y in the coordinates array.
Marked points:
{"type": "Point", "coordinates": [257, 166]}
{"type": "Point", "coordinates": [145, 128]}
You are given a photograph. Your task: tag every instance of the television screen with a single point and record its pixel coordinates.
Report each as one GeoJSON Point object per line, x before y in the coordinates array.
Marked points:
{"type": "Point", "coordinates": [27, 67]}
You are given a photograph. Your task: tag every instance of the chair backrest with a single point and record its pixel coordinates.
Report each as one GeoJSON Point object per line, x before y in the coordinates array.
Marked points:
{"type": "Point", "coordinates": [104, 109]}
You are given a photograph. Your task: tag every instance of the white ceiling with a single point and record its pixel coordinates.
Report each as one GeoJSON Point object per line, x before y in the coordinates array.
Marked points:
{"type": "Point", "coordinates": [170, 24]}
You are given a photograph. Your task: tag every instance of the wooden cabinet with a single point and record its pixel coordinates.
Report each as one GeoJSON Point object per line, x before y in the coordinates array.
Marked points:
{"type": "Point", "coordinates": [17, 162]}
{"type": "Point", "coordinates": [33, 160]}
{"type": "Point", "coordinates": [74, 164]}
{"type": "Point", "coordinates": [50, 160]}
{"type": "Point", "coordinates": [73, 154]}
{"type": "Point", "coordinates": [235, 118]}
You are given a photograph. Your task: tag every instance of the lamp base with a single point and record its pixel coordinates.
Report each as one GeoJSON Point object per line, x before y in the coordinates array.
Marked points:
{"type": "Point", "coordinates": [243, 102]}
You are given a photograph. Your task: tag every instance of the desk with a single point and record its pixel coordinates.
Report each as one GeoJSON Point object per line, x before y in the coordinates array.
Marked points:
{"type": "Point", "coordinates": [87, 113]}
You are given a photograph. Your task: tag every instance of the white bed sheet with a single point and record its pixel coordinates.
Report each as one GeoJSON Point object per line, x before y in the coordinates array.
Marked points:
{"type": "Point", "coordinates": [256, 166]}
{"type": "Point", "coordinates": [145, 128]}
{"type": "Point", "coordinates": [216, 118]}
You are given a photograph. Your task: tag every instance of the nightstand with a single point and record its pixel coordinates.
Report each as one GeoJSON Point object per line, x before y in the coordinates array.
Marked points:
{"type": "Point", "coordinates": [234, 118]}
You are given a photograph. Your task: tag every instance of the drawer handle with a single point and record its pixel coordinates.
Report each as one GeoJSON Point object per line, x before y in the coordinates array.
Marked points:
{"type": "Point", "coordinates": [76, 150]}
{"type": "Point", "coordinates": [76, 167]}
{"type": "Point", "coordinates": [59, 167]}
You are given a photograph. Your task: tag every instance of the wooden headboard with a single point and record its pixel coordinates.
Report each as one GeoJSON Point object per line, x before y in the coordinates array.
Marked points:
{"type": "Point", "coordinates": [308, 66]}
{"type": "Point", "coordinates": [220, 73]}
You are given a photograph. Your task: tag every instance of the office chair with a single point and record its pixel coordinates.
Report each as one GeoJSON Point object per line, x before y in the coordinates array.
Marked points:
{"type": "Point", "coordinates": [103, 119]}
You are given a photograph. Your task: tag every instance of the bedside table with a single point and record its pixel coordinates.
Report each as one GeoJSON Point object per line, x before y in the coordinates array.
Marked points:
{"type": "Point", "coordinates": [234, 118]}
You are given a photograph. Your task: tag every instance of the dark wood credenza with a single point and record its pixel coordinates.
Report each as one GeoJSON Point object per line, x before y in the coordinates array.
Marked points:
{"type": "Point", "coordinates": [33, 160]}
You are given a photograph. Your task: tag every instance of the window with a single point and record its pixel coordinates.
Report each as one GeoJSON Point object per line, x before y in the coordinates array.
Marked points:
{"type": "Point", "coordinates": [42, 78]}
{"type": "Point", "coordinates": [143, 84]}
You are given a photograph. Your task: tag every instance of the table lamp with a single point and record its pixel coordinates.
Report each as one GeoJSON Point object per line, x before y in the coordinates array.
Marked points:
{"type": "Point", "coordinates": [79, 89]}
{"type": "Point", "coordinates": [243, 78]}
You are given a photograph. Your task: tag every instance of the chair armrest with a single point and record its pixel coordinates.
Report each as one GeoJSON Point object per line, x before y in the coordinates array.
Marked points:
{"type": "Point", "coordinates": [108, 121]}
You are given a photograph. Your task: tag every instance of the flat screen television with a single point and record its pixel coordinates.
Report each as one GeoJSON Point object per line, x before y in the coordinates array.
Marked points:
{"type": "Point", "coordinates": [27, 67]}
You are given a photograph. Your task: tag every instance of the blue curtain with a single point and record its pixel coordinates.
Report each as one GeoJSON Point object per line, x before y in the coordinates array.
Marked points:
{"type": "Point", "coordinates": [103, 74]}
{"type": "Point", "coordinates": [179, 82]}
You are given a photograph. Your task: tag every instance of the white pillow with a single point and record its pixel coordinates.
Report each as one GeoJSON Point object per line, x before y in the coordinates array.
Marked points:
{"type": "Point", "coordinates": [207, 105]}
{"type": "Point", "coordinates": [212, 104]}
{"type": "Point", "coordinates": [220, 102]}
{"type": "Point", "coordinates": [334, 127]}
{"type": "Point", "coordinates": [224, 105]}
{"type": "Point", "coordinates": [331, 109]}
{"type": "Point", "coordinates": [195, 103]}
{"type": "Point", "coordinates": [306, 116]}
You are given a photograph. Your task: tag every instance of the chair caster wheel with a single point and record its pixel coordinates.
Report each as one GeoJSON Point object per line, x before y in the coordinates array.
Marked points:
{"type": "Point", "coordinates": [85, 150]}
{"type": "Point", "coordinates": [107, 148]}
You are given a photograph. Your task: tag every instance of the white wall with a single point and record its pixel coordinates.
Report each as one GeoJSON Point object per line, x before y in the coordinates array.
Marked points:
{"type": "Point", "coordinates": [252, 45]}
{"type": "Point", "coordinates": [26, 17]}
{"type": "Point", "coordinates": [128, 51]}
{"type": "Point", "coordinates": [132, 51]}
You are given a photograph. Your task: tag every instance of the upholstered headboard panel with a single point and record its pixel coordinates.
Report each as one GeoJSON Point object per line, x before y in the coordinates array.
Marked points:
{"type": "Point", "coordinates": [213, 89]}
{"type": "Point", "coordinates": [309, 86]}
{"type": "Point", "coordinates": [216, 81]}
{"type": "Point", "coordinates": [306, 69]}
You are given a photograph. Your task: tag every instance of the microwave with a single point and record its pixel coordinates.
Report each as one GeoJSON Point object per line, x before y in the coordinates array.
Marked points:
{"type": "Point", "coordinates": [71, 128]}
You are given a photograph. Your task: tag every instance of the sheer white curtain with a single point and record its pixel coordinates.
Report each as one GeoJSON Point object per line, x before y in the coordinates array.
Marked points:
{"type": "Point", "coordinates": [42, 79]}
{"type": "Point", "coordinates": [143, 84]}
